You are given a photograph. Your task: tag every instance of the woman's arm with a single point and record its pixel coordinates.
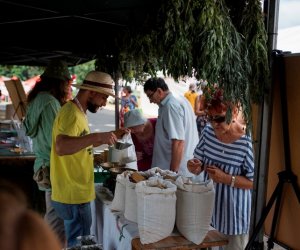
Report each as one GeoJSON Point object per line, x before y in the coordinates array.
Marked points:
{"type": "Point", "coordinates": [198, 107]}
{"type": "Point", "coordinates": [237, 181]}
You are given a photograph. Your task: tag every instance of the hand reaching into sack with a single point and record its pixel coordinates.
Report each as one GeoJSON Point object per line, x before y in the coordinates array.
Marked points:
{"type": "Point", "coordinates": [195, 166]}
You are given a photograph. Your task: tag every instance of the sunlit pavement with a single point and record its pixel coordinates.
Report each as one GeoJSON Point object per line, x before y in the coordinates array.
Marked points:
{"type": "Point", "coordinates": [103, 120]}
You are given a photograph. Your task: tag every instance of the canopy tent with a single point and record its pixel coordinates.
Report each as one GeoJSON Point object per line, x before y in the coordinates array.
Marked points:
{"type": "Point", "coordinates": [37, 31]}
{"type": "Point", "coordinates": [78, 31]}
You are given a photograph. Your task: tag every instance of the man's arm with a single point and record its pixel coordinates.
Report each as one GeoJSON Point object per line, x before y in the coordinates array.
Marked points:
{"type": "Point", "coordinates": [177, 154]}
{"type": "Point", "coordinates": [67, 145]}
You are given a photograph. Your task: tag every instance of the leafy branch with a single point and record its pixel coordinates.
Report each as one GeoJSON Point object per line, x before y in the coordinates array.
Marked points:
{"type": "Point", "coordinates": [202, 38]}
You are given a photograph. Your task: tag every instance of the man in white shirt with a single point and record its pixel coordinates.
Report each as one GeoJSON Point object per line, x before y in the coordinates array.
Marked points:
{"type": "Point", "coordinates": [176, 133]}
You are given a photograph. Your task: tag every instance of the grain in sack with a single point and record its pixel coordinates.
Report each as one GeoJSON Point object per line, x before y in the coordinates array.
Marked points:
{"type": "Point", "coordinates": [194, 207]}
{"type": "Point", "coordinates": [156, 209]}
{"type": "Point", "coordinates": [130, 212]}
{"type": "Point", "coordinates": [118, 203]}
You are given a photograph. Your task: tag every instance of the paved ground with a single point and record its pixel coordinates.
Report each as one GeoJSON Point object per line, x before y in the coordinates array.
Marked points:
{"type": "Point", "coordinates": [103, 120]}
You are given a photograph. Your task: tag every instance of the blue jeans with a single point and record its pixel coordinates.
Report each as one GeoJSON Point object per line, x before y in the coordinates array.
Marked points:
{"type": "Point", "coordinates": [53, 220]}
{"type": "Point", "coordinates": [77, 219]}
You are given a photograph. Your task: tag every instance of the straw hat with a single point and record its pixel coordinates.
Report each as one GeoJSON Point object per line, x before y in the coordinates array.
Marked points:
{"type": "Point", "coordinates": [133, 118]}
{"type": "Point", "coordinates": [57, 69]}
{"type": "Point", "coordinates": [99, 82]}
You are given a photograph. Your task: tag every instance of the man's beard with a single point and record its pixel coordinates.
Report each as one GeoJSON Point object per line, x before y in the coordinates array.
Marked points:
{"type": "Point", "coordinates": [92, 107]}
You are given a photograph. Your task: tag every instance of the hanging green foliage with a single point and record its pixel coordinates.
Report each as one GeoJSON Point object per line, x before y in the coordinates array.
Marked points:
{"type": "Point", "coordinates": [141, 54]}
{"type": "Point", "coordinates": [176, 36]}
{"type": "Point", "coordinates": [252, 27]}
{"type": "Point", "coordinates": [204, 38]}
{"type": "Point", "coordinates": [200, 36]}
{"type": "Point", "coordinates": [212, 36]}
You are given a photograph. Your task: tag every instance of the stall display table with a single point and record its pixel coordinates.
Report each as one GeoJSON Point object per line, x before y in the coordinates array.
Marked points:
{"type": "Point", "coordinates": [110, 228]}
{"type": "Point", "coordinates": [18, 169]}
{"type": "Point", "coordinates": [113, 231]}
{"type": "Point", "coordinates": [212, 239]}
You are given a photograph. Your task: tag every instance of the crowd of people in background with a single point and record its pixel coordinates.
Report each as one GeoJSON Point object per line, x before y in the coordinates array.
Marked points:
{"type": "Point", "coordinates": [128, 102]}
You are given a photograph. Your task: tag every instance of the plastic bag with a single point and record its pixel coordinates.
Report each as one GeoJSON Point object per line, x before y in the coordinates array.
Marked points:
{"type": "Point", "coordinates": [42, 177]}
{"type": "Point", "coordinates": [123, 151]}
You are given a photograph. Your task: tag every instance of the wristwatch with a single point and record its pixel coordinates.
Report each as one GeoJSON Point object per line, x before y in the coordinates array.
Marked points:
{"type": "Point", "coordinates": [232, 181]}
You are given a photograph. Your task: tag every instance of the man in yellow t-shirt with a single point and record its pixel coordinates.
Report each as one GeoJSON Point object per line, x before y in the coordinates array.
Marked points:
{"type": "Point", "coordinates": [72, 168]}
{"type": "Point", "coordinates": [191, 95]}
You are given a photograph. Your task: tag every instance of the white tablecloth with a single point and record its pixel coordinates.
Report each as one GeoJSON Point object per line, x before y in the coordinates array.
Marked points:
{"type": "Point", "coordinates": [110, 227]}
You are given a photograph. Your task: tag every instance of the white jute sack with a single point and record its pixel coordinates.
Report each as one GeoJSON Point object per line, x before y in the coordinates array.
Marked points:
{"type": "Point", "coordinates": [118, 202]}
{"type": "Point", "coordinates": [156, 209]}
{"type": "Point", "coordinates": [130, 212]}
{"type": "Point", "coordinates": [194, 207]}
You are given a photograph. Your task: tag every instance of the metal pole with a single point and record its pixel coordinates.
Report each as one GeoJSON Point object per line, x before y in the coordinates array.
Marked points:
{"type": "Point", "coordinates": [117, 112]}
{"type": "Point", "coordinates": [271, 9]}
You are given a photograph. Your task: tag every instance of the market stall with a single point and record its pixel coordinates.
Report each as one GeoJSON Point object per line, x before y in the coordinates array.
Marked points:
{"type": "Point", "coordinates": [17, 167]}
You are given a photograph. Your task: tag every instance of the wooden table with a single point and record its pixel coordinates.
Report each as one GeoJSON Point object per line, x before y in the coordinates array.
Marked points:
{"type": "Point", "coordinates": [212, 239]}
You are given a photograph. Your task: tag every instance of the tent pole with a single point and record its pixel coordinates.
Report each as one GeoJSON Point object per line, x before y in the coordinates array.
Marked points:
{"type": "Point", "coordinates": [271, 10]}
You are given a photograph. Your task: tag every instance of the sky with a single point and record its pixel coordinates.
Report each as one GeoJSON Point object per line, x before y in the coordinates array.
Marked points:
{"type": "Point", "coordinates": [289, 26]}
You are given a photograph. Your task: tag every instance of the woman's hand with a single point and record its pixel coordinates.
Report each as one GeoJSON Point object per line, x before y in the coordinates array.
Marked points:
{"type": "Point", "coordinates": [194, 166]}
{"type": "Point", "coordinates": [217, 175]}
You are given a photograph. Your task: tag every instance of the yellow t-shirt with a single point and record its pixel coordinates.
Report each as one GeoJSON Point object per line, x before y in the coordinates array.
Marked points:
{"type": "Point", "coordinates": [191, 96]}
{"type": "Point", "coordinates": [72, 176]}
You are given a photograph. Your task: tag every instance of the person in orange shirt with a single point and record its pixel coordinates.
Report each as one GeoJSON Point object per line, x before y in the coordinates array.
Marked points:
{"type": "Point", "coordinates": [192, 95]}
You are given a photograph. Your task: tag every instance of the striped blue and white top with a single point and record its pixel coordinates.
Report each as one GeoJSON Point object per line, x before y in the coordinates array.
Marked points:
{"type": "Point", "coordinates": [232, 205]}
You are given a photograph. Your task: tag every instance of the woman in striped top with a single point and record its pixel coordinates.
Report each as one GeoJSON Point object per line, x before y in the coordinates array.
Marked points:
{"type": "Point", "coordinates": [225, 154]}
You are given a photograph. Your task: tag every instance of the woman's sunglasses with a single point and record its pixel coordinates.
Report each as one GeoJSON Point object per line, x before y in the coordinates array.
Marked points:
{"type": "Point", "coordinates": [217, 118]}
